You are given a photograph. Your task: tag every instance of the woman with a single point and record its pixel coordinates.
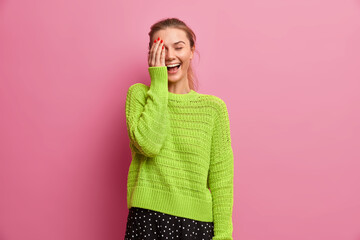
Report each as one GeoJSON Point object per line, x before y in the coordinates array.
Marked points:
{"type": "Point", "coordinates": [180, 180]}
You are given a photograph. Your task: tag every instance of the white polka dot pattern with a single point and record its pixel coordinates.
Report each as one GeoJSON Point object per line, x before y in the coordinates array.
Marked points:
{"type": "Point", "coordinates": [146, 224]}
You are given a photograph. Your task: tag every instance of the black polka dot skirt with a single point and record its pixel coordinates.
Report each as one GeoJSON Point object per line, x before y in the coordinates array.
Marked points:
{"type": "Point", "coordinates": [146, 224]}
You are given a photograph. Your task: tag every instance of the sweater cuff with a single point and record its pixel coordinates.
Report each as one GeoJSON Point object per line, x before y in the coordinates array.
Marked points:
{"type": "Point", "coordinates": [159, 79]}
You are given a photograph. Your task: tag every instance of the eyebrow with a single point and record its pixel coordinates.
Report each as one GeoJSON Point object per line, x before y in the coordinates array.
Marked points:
{"type": "Point", "coordinates": [179, 42]}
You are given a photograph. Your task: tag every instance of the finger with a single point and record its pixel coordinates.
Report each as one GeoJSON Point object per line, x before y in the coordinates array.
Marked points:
{"type": "Point", "coordinates": [151, 53]}
{"type": "Point", "coordinates": [162, 57]}
{"type": "Point", "coordinates": [155, 51]}
{"type": "Point", "coordinates": [158, 53]}
{"type": "Point", "coordinates": [151, 63]}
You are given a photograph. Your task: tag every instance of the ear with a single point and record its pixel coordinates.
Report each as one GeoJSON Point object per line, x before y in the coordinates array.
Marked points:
{"type": "Point", "coordinates": [192, 52]}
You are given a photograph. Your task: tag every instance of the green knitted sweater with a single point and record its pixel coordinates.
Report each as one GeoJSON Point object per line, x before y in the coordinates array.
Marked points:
{"type": "Point", "coordinates": [182, 158]}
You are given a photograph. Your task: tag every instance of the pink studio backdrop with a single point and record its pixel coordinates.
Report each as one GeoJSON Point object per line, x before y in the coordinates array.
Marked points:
{"type": "Point", "coordinates": [288, 71]}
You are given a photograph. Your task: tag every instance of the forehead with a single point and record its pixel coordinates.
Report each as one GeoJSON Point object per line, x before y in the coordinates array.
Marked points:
{"type": "Point", "coordinates": [171, 36]}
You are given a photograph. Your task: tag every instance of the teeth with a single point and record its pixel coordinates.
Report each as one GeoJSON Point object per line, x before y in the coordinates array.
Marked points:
{"type": "Point", "coordinates": [173, 65]}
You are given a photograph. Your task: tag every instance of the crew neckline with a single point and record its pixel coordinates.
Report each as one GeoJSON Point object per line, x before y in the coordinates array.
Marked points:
{"type": "Point", "coordinates": [182, 96]}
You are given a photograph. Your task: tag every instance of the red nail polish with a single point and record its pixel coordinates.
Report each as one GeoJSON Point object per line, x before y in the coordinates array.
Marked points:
{"type": "Point", "coordinates": [161, 41]}
{"type": "Point", "coordinates": [158, 38]}
{"type": "Point", "coordinates": [155, 41]}
{"type": "Point", "coordinates": [163, 47]}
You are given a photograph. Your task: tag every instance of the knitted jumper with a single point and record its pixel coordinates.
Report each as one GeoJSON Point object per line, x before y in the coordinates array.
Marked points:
{"type": "Point", "coordinates": [182, 158]}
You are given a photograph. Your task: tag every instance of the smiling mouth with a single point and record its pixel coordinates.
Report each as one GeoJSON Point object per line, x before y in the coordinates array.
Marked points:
{"type": "Point", "coordinates": [172, 70]}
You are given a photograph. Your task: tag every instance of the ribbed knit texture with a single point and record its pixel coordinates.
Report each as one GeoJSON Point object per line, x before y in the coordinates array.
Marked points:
{"type": "Point", "coordinates": [182, 158]}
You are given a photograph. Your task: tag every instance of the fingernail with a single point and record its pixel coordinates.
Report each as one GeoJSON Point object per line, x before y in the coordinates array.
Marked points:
{"type": "Point", "coordinates": [161, 41]}
{"type": "Point", "coordinates": [163, 47]}
{"type": "Point", "coordinates": [158, 38]}
{"type": "Point", "coordinates": [155, 41]}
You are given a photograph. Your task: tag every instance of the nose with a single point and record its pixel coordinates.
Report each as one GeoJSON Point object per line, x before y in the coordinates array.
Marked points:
{"type": "Point", "coordinates": [169, 54]}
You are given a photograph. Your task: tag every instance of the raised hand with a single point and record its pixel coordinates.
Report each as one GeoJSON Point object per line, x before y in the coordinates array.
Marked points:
{"type": "Point", "coordinates": [157, 54]}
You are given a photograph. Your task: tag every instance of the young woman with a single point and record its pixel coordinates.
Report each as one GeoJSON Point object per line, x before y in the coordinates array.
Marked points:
{"type": "Point", "coordinates": [180, 180]}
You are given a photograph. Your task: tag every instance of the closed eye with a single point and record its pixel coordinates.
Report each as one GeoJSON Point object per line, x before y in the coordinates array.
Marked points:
{"type": "Point", "coordinates": [179, 48]}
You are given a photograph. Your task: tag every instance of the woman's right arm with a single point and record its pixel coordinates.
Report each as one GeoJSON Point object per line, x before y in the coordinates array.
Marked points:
{"type": "Point", "coordinates": [146, 110]}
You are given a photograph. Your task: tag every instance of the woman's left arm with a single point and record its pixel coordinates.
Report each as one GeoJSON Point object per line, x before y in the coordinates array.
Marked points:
{"type": "Point", "coordinates": [221, 174]}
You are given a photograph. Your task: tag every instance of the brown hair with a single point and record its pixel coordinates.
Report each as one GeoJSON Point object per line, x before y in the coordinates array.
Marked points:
{"type": "Point", "coordinates": [177, 23]}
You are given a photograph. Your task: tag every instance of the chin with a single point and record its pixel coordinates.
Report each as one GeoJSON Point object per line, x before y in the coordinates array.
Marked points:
{"type": "Point", "coordinates": [173, 80]}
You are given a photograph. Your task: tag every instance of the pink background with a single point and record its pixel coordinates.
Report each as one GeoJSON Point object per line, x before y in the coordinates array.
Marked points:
{"type": "Point", "coordinates": [288, 71]}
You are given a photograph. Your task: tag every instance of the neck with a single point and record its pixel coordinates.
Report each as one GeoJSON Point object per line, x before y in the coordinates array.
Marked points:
{"type": "Point", "coordinates": [179, 87]}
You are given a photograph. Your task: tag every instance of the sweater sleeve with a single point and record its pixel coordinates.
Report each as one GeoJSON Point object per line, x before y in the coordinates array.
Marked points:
{"type": "Point", "coordinates": [147, 114]}
{"type": "Point", "coordinates": [221, 173]}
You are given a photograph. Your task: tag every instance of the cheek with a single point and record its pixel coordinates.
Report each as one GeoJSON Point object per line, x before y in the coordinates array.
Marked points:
{"type": "Point", "coordinates": [184, 56]}
{"type": "Point", "coordinates": [185, 59]}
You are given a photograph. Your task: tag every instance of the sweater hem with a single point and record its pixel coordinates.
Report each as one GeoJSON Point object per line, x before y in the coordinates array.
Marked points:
{"type": "Point", "coordinates": [172, 204]}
